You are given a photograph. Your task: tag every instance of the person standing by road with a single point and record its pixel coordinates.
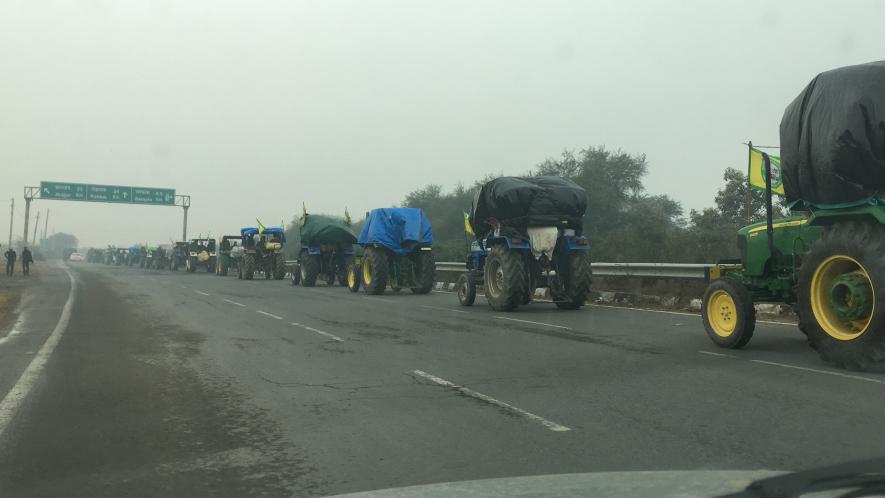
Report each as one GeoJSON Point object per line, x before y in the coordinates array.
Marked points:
{"type": "Point", "coordinates": [27, 259]}
{"type": "Point", "coordinates": [10, 261]}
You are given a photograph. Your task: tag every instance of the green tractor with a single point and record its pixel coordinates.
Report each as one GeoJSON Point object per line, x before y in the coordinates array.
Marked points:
{"type": "Point", "coordinates": [828, 259]}
{"type": "Point", "coordinates": [326, 250]}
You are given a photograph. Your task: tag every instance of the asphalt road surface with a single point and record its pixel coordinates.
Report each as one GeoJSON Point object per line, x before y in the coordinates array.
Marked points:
{"type": "Point", "coordinates": [183, 384]}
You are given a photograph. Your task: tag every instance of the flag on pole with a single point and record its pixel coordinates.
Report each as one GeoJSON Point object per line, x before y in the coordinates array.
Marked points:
{"type": "Point", "coordinates": [467, 227]}
{"type": "Point", "coordinates": [346, 217]}
{"type": "Point", "coordinates": [260, 226]}
{"type": "Point", "coordinates": [756, 174]}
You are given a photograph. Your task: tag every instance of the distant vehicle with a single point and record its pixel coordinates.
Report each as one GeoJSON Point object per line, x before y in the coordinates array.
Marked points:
{"type": "Point", "coordinates": [76, 256]}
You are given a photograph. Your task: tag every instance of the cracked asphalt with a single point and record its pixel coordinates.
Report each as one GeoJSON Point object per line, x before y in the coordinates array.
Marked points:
{"type": "Point", "coordinates": [175, 384]}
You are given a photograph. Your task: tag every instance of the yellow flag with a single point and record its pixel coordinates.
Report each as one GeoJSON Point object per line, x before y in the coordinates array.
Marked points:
{"type": "Point", "coordinates": [467, 227]}
{"type": "Point", "coordinates": [757, 172]}
{"type": "Point", "coordinates": [260, 226]}
{"type": "Point", "coordinates": [346, 217]}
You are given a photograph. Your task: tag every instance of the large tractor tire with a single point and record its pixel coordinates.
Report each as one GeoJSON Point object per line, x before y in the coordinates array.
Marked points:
{"type": "Point", "coordinates": [728, 313]}
{"type": "Point", "coordinates": [240, 269]}
{"type": "Point", "coordinates": [191, 264]}
{"type": "Point", "coordinates": [223, 265]}
{"type": "Point", "coordinates": [310, 269]}
{"type": "Point", "coordinates": [341, 272]}
{"type": "Point", "coordinates": [577, 285]}
{"type": "Point", "coordinates": [248, 266]}
{"type": "Point", "coordinates": [425, 273]}
{"type": "Point", "coordinates": [354, 280]}
{"type": "Point", "coordinates": [466, 289]}
{"type": "Point", "coordinates": [840, 280]}
{"type": "Point", "coordinates": [375, 270]}
{"type": "Point", "coordinates": [210, 265]}
{"type": "Point", "coordinates": [506, 278]}
{"type": "Point", "coordinates": [279, 266]}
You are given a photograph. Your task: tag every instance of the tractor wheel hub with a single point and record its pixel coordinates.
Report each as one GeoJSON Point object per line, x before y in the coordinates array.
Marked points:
{"type": "Point", "coordinates": [851, 296]}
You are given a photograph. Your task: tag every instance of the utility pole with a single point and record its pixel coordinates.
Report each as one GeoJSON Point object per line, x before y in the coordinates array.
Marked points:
{"type": "Point", "coordinates": [11, 212]}
{"type": "Point", "coordinates": [36, 226]}
{"type": "Point", "coordinates": [45, 226]}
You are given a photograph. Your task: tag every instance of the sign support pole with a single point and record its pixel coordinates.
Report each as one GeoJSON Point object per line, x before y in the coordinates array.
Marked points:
{"type": "Point", "coordinates": [36, 228]}
{"type": "Point", "coordinates": [184, 225]}
{"type": "Point", "coordinates": [27, 216]}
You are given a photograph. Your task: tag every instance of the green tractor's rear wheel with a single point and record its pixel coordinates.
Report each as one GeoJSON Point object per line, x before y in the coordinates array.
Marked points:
{"type": "Point", "coordinates": [375, 270]}
{"type": "Point", "coordinates": [506, 278]}
{"type": "Point", "coordinates": [310, 269]}
{"type": "Point", "coordinates": [343, 269]}
{"type": "Point", "coordinates": [839, 283]}
{"type": "Point", "coordinates": [728, 313]}
{"type": "Point", "coordinates": [577, 283]}
{"type": "Point", "coordinates": [425, 272]}
{"type": "Point", "coordinates": [248, 266]}
{"type": "Point", "coordinates": [279, 266]}
{"type": "Point", "coordinates": [354, 274]}
{"type": "Point", "coordinates": [466, 289]}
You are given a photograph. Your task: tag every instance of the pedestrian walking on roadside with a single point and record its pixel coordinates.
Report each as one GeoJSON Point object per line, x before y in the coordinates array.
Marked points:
{"type": "Point", "coordinates": [27, 259]}
{"type": "Point", "coordinates": [10, 261]}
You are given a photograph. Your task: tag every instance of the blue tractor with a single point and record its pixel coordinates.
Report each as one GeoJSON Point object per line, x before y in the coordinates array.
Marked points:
{"type": "Point", "coordinates": [397, 251]}
{"type": "Point", "coordinates": [262, 250]}
{"type": "Point", "coordinates": [528, 235]}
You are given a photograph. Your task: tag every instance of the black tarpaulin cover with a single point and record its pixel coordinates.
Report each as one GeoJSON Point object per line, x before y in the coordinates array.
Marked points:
{"type": "Point", "coordinates": [321, 229]}
{"type": "Point", "coordinates": [833, 137]}
{"type": "Point", "coordinates": [520, 202]}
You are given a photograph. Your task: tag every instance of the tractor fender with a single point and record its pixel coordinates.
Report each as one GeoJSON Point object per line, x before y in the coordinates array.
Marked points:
{"type": "Point", "coordinates": [520, 244]}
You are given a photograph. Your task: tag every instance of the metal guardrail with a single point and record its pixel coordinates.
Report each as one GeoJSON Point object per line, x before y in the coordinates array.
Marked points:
{"type": "Point", "coordinates": [640, 270]}
{"type": "Point", "coordinates": [636, 270]}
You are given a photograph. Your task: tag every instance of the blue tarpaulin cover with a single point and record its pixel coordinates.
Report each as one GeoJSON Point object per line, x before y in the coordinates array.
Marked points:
{"type": "Point", "coordinates": [246, 232]}
{"type": "Point", "coordinates": [398, 229]}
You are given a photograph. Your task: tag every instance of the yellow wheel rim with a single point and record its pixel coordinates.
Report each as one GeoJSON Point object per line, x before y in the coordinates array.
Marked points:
{"type": "Point", "coordinates": [722, 313]}
{"type": "Point", "coordinates": [367, 273]}
{"type": "Point", "coordinates": [351, 278]}
{"type": "Point", "coordinates": [826, 317]}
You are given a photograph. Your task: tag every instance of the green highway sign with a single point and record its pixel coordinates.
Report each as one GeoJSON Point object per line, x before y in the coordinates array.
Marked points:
{"type": "Point", "coordinates": [107, 193]}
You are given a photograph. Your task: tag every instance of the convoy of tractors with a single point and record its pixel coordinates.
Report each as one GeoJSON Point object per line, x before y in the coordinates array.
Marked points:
{"type": "Point", "coordinates": [826, 260]}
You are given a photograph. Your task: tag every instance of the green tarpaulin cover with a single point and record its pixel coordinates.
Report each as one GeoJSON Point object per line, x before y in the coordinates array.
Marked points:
{"type": "Point", "coordinates": [320, 229]}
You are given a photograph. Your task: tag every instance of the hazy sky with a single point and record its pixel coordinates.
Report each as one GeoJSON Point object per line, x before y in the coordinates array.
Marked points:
{"type": "Point", "coordinates": [252, 107]}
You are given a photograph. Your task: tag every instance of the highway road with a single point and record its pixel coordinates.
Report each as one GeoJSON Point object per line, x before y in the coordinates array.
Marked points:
{"type": "Point", "coordinates": [191, 384]}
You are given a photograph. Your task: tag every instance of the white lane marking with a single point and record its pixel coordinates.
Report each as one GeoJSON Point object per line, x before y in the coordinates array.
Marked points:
{"type": "Point", "coordinates": [15, 328]}
{"type": "Point", "coordinates": [683, 313]}
{"type": "Point", "coordinates": [233, 302]}
{"type": "Point", "coordinates": [203, 293]}
{"type": "Point", "coordinates": [723, 355]}
{"type": "Point", "coordinates": [378, 299]}
{"type": "Point", "coordinates": [442, 309]}
{"type": "Point", "coordinates": [533, 323]}
{"type": "Point", "coordinates": [553, 426]}
{"type": "Point", "coordinates": [269, 314]}
{"type": "Point", "coordinates": [318, 331]}
{"type": "Point", "coordinates": [14, 398]}
{"type": "Point", "coordinates": [827, 372]}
